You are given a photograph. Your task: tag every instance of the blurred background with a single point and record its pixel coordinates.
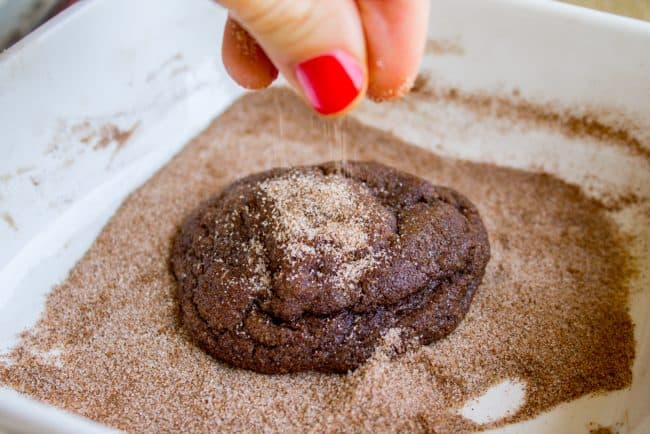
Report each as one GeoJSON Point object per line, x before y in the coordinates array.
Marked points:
{"type": "Point", "coordinates": [19, 17]}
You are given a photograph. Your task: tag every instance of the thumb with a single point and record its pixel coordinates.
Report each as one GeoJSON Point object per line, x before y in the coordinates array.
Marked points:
{"type": "Point", "coordinates": [318, 46]}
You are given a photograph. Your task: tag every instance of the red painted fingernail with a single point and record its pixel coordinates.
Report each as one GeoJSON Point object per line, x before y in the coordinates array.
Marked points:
{"type": "Point", "coordinates": [330, 81]}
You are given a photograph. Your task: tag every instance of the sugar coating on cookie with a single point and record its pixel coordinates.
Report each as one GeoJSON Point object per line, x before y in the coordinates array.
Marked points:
{"type": "Point", "coordinates": [307, 268]}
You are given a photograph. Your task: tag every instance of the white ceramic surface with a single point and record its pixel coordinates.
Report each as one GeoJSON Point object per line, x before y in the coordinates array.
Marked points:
{"type": "Point", "coordinates": [152, 66]}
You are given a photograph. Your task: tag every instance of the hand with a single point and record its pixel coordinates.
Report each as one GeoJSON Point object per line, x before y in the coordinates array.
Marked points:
{"type": "Point", "coordinates": [333, 52]}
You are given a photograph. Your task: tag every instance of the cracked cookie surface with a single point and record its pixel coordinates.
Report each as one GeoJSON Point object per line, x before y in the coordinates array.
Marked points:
{"type": "Point", "coordinates": [305, 268]}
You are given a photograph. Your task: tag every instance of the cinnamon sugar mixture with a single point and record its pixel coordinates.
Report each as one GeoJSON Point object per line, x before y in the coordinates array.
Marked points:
{"type": "Point", "coordinates": [551, 312]}
{"type": "Point", "coordinates": [327, 210]}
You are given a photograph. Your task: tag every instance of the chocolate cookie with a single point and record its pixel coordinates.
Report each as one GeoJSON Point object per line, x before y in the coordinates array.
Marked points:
{"type": "Point", "coordinates": [304, 268]}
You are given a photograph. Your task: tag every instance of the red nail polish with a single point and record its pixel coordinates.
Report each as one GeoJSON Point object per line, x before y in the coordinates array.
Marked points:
{"type": "Point", "coordinates": [330, 81]}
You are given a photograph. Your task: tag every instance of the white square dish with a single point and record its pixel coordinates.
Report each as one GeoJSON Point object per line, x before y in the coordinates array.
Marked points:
{"type": "Point", "coordinates": [101, 97]}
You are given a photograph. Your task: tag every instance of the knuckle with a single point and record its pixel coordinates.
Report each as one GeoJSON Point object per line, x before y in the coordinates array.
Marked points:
{"type": "Point", "coordinates": [290, 18]}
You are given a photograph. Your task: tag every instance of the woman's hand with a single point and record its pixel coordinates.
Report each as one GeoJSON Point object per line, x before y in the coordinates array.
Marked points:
{"type": "Point", "coordinates": [333, 52]}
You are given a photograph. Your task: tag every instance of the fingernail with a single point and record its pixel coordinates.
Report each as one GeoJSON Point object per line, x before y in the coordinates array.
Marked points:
{"type": "Point", "coordinates": [330, 81]}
